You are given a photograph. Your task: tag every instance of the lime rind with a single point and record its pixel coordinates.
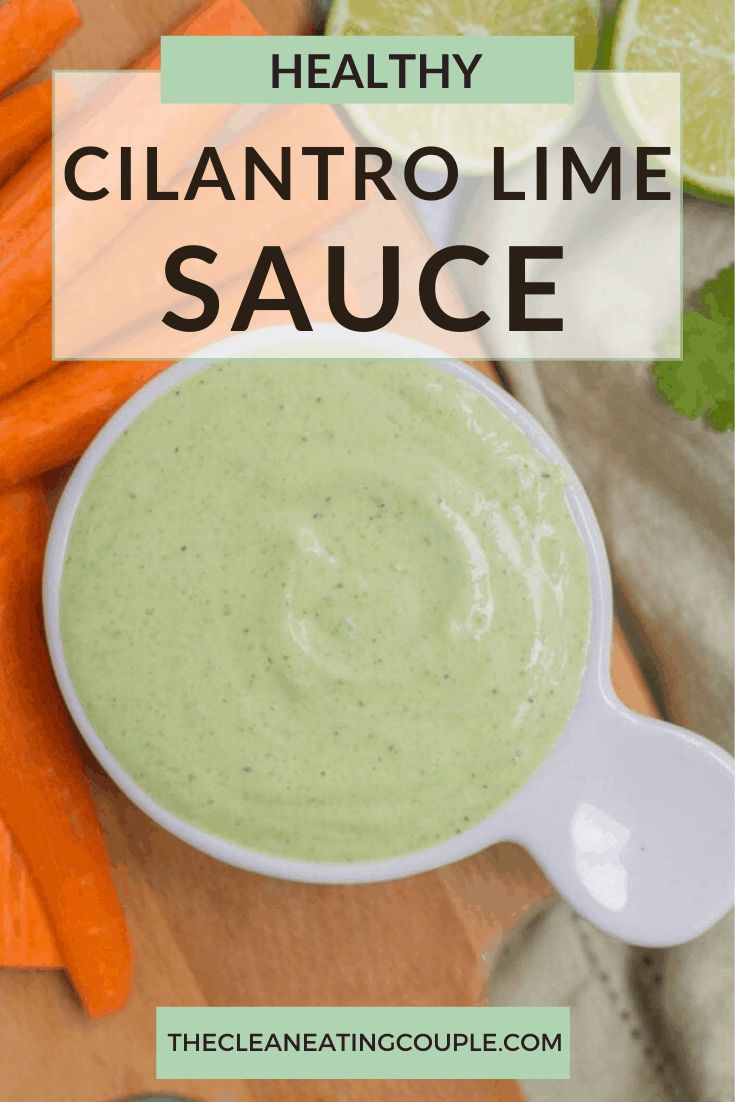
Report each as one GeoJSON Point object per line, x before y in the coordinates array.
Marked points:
{"type": "Point", "coordinates": [696, 40]}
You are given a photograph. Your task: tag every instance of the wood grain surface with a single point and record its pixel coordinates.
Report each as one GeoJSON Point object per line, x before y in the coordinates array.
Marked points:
{"type": "Point", "coordinates": [207, 934]}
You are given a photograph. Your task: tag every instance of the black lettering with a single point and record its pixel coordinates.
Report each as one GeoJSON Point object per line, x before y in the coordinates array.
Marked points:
{"type": "Point", "coordinates": [518, 288]}
{"type": "Point", "coordinates": [126, 170]}
{"type": "Point", "coordinates": [363, 173]}
{"type": "Point", "coordinates": [253, 160]}
{"type": "Point", "coordinates": [552, 1044]}
{"type": "Point", "coordinates": [152, 192]}
{"type": "Point", "coordinates": [427, 288]}
{"type": "Point", "coordinates": [499, 191]}
{"type": "Point", "coordinates": [347, 70]}
{"type": "Point", "coordinates": [316, 70]}
{"type": "Point", "coordinates": [542, 159]}
{"type": "Point", "coordinates": [571, 162]}
{"type": "Point", "coordinates": [467, 70]}
{"type": "Point", "coordinates": [530, 1042]}
{"type": "Point", "coordinates": [336, 291]}
{"type": "Point", "coordinates": [411, 165]}
{"type": "Point", "coordinates": [70, 169]}
{"type": "Point", "coordinates": [278, 70]}
{"type": "Point", "coordinates": [271, 257]}
{"type": "Point", "coordinates": [322, 154]}
{"type": "Point", "coordinates": [209, 156]}
{"type": "Point", "coordinates": [402, 60]}
{"type": "Point", "coordinates": [372, 80]}
{"type": "Point", "coordinates": [644, 173]}
{"type": "Point", "coordinates": [426, 70]}
{"type": "Point", "coordinates": [206, 294]}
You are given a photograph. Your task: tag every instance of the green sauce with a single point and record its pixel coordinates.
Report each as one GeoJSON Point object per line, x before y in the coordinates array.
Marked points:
{"type": "Point", "coordinates": [327, 610]}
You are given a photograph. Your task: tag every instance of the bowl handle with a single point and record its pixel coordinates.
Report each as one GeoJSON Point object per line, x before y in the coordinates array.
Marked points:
{"type": "Point", "coordinates": [634, 824]}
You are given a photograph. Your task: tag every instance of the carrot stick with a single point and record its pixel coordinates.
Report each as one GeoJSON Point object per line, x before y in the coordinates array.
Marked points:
{"type": "Point", "coordinates": [30, 31]}
{"type": "Point", "coordinates": [25, 122]}
{"type": "Point", "coordinates": [216, 17]}
{"type": "Point", "coordinates": [24, 279]}
{"type": "Point", "coordinates": [33, 184]}
{"type": "Point", "coordinates": [45, 800]}
{"type": "Point", "coordinates": [26, 938]}
{"type": "Point", "coordinates": [25, 200]}
{"type": "Point", "coordinates": [25, 196]}
{"type": "Point", "coordinates": [29, 355]}
{"type": "Point", "coordinates": [51, 421]}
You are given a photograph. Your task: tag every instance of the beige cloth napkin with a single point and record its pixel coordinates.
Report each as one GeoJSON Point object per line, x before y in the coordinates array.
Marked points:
{"type": "Point", "coordinates": [647, 1026]}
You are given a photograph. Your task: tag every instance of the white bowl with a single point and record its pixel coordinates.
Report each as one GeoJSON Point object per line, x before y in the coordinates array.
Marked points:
{"type": "Point", "coordinates": [631, 818]}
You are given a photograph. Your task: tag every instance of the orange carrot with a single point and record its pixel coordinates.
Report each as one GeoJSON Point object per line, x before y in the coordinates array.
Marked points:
{"type": "Point", "coordinates": [24, 279]}
{"type": "Point", "coordinates": [51, 421]}
{"type": "Point", "coordinates": [25, 196]}
{"type": "Point", "coordinates": [29, 355]}
{"type": "Point", "coordinates": [33, 183]}
{"type": "Point", "coordinates": [216, 17]}
{"type": "Point", "coordinates": [30, 31]}
{"type": "Point", "coordinates": [45, 799]}
{"type": "Point", "coordinates": [25, 200]}
{"type": "Point", "coordinates": [25, 122]}
{"type": "Point", "coordinates": [26, 938]}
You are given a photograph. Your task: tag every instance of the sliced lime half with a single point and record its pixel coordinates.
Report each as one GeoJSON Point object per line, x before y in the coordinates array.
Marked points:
{"type": "Point", "coordinates": [469, 131]}
{"type": "Point", "coordinates": [695, 38]}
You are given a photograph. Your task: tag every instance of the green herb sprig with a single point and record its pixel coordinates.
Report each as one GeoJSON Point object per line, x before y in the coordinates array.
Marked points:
{"type": "Point", "coordinates": [701, 384]}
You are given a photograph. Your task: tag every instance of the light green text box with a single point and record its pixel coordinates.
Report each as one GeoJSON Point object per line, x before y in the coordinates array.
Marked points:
{"type": "Point", "coordinates": [379, 1042]}
{"type": "Point", "coordinates": [510, 69]}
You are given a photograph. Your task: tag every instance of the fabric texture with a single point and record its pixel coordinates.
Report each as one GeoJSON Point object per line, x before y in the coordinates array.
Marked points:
{"type": "Point", "coordinates": [647, 1026]}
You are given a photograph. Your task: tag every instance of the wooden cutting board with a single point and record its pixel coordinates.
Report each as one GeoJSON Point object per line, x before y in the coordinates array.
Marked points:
{"type": "Point", "coordinates": [207, 934]}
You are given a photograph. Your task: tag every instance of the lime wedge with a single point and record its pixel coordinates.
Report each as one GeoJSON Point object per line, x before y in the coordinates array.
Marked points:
{"type": "Point", "coordinates": [695, 38]}
{"type": "Point", "coordinates": [470, 131]}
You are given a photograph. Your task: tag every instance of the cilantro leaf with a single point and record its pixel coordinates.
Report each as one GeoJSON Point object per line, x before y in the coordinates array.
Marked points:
{"type": "Point", "coordinates": [701, 384]}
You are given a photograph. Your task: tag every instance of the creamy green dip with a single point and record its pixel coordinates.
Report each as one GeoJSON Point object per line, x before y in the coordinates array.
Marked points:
{"type": "Point", "coordinates": [327, 610]}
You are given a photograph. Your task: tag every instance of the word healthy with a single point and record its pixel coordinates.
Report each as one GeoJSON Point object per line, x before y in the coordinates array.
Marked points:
{"type": "Point", "coordinates": [311, 72]}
